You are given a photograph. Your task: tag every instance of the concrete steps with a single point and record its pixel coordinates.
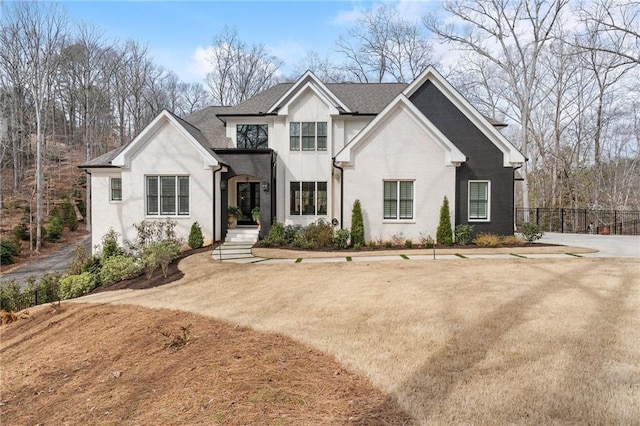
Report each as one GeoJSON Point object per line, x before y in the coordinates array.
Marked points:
{"type": "Point", "coordinates": [242, 235]}
{"type": "Point", "coordinates": [233, 251]}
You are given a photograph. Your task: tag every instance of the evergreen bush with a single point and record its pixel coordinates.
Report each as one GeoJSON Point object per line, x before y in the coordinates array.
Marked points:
{"type": "Point", "coordinates": [9, 249]}
{"type": "Point", "coordinates": [196, 240]}
{"type": "Point", "coordinates": [444, 235]}
{"type": "Point", "coordinates": [357, 224]}
{"type": "Point", "coordinates": [54, 230]}
{"type": "Point", "coordinates": [76, 285]}
{"type": "Point", "coordinates": [119, 268]}
{"type": "Point", "coordinates": [531, 232]}
{"type": "Point", "coordinates": [463, 234]}
{"type": "Point", "coordinates": [341, 238]}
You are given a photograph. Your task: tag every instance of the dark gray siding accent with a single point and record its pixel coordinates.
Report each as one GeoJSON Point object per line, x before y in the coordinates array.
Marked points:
{"type": "Point", "coordinates": [260, 163]}
{"type": "Point", "coordinates": [484, 160]}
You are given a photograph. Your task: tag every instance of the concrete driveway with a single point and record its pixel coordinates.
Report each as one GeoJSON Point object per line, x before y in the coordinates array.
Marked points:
{"type": "Point", "coordinates": [607, 245]}
{"type": "Point", "coordinates": [54, 262]}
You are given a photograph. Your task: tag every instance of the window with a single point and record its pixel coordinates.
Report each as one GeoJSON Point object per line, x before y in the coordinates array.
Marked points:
{"type": "Point", "coordinates": [116, 189]}
{"type": "Point", "coordinates": [308, 198]}
{"type": "Point", "coordinates": [308, 136]}
{"type": "Point", "coordinates": [479, 200]}
{"type": "Point", "coordinates": [167, 195]}
{"type": "Point", "coordinates": [251, 136]}
{"type": "Point", "coordinates": [398, 199]}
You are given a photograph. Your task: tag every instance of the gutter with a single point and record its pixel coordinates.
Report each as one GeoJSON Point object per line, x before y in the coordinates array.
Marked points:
{"type": "Point", "coordinates": [341, 191]}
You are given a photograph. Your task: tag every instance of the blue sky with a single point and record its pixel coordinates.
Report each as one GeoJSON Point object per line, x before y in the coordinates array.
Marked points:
{"type": "Point", "coordinates": [178, 32]}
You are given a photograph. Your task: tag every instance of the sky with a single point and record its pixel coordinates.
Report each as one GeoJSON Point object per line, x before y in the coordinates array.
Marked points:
{"type": "Point", "coordinates": [178, 33]}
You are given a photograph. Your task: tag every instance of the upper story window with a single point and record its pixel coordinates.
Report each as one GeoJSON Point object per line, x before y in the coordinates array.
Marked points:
{"type": "Point", "coordinates": [116, 189]}
{"type": "Point", "coordinates": [308, 136]}
{"type": "Point", "coordinates": [250, 136]}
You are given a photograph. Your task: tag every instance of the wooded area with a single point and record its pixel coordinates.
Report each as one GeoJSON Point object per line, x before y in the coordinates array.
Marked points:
{"type": "Point", "coordinates": [564, 75]}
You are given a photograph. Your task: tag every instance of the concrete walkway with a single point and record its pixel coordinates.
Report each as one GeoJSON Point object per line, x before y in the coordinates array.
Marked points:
{"type": "Point", "coordinates": [571, 246]}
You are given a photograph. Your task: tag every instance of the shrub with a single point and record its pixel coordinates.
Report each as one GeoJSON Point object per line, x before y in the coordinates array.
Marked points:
{"type": "Point", "coordinates": [80, 259]}
{"type": "Point", "coordinates": [357, 224]}
{"type": "Point", "coordinates": [196, 240]}
{"type": "Point", "coordinates": [357, 246]}
{"type": "Point", "coordinates": [276, 235]}
{"type": "Point", "coordinates": [149, 232]}
{"type": "Point", "coordinates": [487, 240]}
{"type": "Point", "coordinates": [443, 234]}
{"type": "Point", "coordinates": [291, 232]}
{"type": "Point", "coordinates": [388, 244]}
{"type": "Point", "coordinates": [118, 268]}
{"type": "Point", "coordinates": [463, 234]}
{"type": "Point", "coordinates": [341, 238]}
{"type": "Point", "coordinates": [510, 240]}
{"type": "Point", "coordinates": [408, 243]}
{"type": "Point", "coordinates": [319, 233]}
{"type": "Point", "coordinates": [54, 231]}
{"type": "Point", "coordinates": [372, 245]}
{"type": "Point", "coordinates": [426, 240]}
{"type": "Point", "coordinates": [159, 254]}
{"type": "Point", "coordinates": [110, 245]}
{"type": "Point", "coordinates": [76, 285]}
{"type": "Point", "coordinates": [531, 232]}
{"type": "Point", "coordinates": [49, 288]}
{"type": "Point", "coordinates": [10, 296]}
{"type": "Point", "coordinates": [9, 249]}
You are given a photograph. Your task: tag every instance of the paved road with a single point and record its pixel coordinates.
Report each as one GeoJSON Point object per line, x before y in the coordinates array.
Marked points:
{"type": "Point", "coordinates": [54, 262]}
{"type": "Point", "coordinates": [607, 245]}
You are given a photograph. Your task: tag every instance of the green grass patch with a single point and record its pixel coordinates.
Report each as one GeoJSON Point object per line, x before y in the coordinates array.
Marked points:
{"type": "Point", "coordinates": [349, 259]}
{"type": "Point", "coordinates": [298, 260]}
{"type": "Point", "coordinates": [461, 256]}
{"type": "Point", "coordinates": [404, 256]}
{"type": "Point", "coordinates": [518, 255]}
{"type": "Point", "coordinates": [573, 254]}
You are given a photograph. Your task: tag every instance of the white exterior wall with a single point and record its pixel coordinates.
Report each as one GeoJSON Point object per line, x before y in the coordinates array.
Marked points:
{"type": "Point", "coordinates": [399, 150]}
{"type": "Point", "coordinates": [105, 214]}
{"type": "Point", "coordinates": [302, 166]}
{"type": "Point", "coordinates": [166, 152]}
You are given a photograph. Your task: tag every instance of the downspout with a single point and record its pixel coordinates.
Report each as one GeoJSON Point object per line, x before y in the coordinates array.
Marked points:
{"type": "Point", "coordinates": [513, 196]}
{"type": "Point", "coordinates": [341, 191]}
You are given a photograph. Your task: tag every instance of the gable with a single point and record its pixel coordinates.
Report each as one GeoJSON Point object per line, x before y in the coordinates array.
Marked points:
{"type": "Point", "coordinates": [454, 115]}
{"type": "Point", "coordinates": [165, 139]}
{"type": "Point", "coordinates": [401, 126]}
{"type": "Point", "coordinates": [308, 106]}
{"type": "Point", "coordinates": [308, 82]}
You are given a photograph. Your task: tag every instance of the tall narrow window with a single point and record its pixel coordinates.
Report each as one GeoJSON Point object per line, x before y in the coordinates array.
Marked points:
{"type": "Point", "coordinates": [294, 136]}
{"type": "Point", "coordinates": [398, 199]}
{"type": "Point", "coordinates": [295, 198]}
{"type": "Point", "coordinates": [152, 195]}
{"type": "Point", "coordinates": [322, 198]}
{"type": "Point", "coordinates": [116, 189]}
{"type": "Point", "coordinates": [183, 195]}
{"type": "Point", "coordinates": [479, 208]}
{"type": "Point", "coordinates": [322, 136]}
{"type": "Point", "coordinates": [308, 136]}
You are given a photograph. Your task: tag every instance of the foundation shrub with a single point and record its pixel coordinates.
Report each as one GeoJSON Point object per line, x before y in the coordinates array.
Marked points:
{"type": "Point", "coordinates": [531, 232]}
{"type": "Point", "coordinates": [341, 238]}
{"type": "Point", "coordinates": [159, 254]}
{"type": "Point", "coordinates": [487, 240]}
{"type": "Point", "coordinates": [72, 286]}
{"type": "Point", "coordinates": [320, 233]}
{"type": "Point", "coordinates": [443, 233]}
{"type": "Point", "coordinates": [511, 240]}
{"type": "Point", "coordinates": [463, 234]}
{"type": "Point", "coordinates": [196, 240]}
{"type": "Point", "coordinates": [119, 268]}
{"type": "Point", "coordinates": [110, 245]}
{"type": "Point", "coordinates": [357, 224]}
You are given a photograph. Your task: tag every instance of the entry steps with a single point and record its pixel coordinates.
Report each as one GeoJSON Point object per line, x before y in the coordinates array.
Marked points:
{"type": "Point", "coordinates": [233, 251]}
{"type": "Point", "coordinates": [242, 235]}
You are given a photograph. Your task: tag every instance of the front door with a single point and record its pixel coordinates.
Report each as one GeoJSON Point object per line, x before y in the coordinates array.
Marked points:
{"type": "Point", "coordinates": [248, 198]}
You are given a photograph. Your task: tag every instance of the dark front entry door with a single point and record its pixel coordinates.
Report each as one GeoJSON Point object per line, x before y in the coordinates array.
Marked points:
{"type": "Point", "coordinates": [248, 198]}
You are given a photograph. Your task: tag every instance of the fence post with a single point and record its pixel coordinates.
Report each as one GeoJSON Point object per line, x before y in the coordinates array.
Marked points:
{"type": "Point", "coordinates": [562, 220]}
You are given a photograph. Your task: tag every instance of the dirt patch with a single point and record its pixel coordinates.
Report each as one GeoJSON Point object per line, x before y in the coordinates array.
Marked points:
{"type": "Point", "coordinates": [106, 364]}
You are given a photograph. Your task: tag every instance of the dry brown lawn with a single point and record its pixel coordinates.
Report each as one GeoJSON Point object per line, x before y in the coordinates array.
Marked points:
{"type": "Point", "coordinates": [526, 341]}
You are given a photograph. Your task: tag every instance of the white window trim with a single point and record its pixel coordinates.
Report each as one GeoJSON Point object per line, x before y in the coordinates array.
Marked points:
{"type": "Point", "coordinates": [412, 219]}
{"type": "Point", "coordinates": [177, 197]}
{"type": "Point", "coordinates": [111, 199]}
{"type": "Point", "coordinates": [488, 219]}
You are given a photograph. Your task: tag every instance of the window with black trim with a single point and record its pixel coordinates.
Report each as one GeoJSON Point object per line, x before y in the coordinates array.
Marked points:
{"type": "Point", "coordinates": [167, 195]}
{"type": "Point", "coordinates": [398, 199]}
{"type": "Point", "coordinates": [308, 198]}
{"type": "Point", "coordinates": [115, 185]}
{"type": "Point", "coordinates": [308, 136]}
{"type": "Point", "coordinates": [479, 205]}
{"type": "Point", "coordinates": [252, 136]}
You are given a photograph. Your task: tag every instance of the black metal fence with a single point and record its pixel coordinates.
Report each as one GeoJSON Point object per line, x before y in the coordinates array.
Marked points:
{"type": "Point", "coordinates": [12, 299]}
{"type": "Point", "coordinates": [581, 221]}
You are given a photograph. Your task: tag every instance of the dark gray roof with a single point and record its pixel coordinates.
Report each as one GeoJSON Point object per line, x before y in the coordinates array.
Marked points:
{"type": "Point", "coordinates": [211, 126]}
{"type": "Point", "coordinates": [104, 160]}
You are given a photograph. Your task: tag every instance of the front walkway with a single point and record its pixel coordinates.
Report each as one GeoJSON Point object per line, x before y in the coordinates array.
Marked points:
{"type": "Point", "coordinates": [245, 253]}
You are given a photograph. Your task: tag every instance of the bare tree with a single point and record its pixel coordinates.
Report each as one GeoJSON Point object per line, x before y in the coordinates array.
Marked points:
{"type": "Point", "coordinates": [193, 97]}
{"type": "Point", "coordinates": [323, 68]}
{"type": "Point", "coordinates": [39, 31]}
{"type": "Point", "coordinates": [384, 47]}
{"type": "Point", "coordinates": [239, 71]}
{"type": "Point", "coordinates": [511, 34]}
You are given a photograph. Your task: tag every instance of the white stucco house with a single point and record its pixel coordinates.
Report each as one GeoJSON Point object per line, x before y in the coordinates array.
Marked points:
{"type": "Point", "coordinates": [306, 151]}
